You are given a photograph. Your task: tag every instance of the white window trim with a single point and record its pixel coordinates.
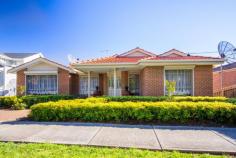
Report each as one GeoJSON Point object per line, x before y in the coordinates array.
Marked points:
{"type": "Point", "coordinates": [178, 68]}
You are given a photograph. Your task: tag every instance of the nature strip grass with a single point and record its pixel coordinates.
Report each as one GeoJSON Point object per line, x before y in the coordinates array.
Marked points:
{"type": "Point", "coordinates": [20, 150]}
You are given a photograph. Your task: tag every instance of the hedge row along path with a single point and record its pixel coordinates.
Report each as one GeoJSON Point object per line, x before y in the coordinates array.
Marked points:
{"type": "Point", "coordinates": [191, 139]}
{"type": "Point", "coordinates": [96, 110]}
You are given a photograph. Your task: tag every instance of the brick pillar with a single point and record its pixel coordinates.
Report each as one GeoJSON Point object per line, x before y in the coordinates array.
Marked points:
{"type": "Point", "coordinates": [20, 80]}
{"type": "Point", "coordinates": [74, 84]}
{"type": "Point", "coordinates": [203, 80]}
{"type": "Point", "coordinates": [63, 82]}
{"type": "Point", "coordinates": [101, 83]}
{"type": "Point", "coordinates": [105, 84]}
{"type": "Point", "coordinates": [152, 81]}
{"type": "Point", "coordinates": [124, 82]}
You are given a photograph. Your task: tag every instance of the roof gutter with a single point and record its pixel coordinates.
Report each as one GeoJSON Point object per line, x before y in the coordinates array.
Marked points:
{"type": "Point", "coordinates": [153, 62]}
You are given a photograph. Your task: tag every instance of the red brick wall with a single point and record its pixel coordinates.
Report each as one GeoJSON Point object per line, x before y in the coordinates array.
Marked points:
{"type": "Point", "coordinates": [152, 81]}
{"type": "Point", "coordinates": [63, 82]}
{"type": "Point", "coordinates": [203, 80]}
{"type": "Point", "coordinates": [229, 79]}
{"type": "Point", "coordinates": [20, 79]}
{"type": "Point", "coordinates": [124, 82]}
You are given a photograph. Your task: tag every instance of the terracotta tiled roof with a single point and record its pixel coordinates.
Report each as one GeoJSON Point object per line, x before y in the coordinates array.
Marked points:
{"type": "Point", "coordinates": [137, 59]}
{"type": "Point", "coordinates": [113, 59]}
{"type": "Point", "coordinates": [123, 58]}
{"type": "Point", "coordinates": [181, 58]}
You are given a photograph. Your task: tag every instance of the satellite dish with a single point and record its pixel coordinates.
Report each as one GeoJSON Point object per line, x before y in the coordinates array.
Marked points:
{"type": "Point", "coordinates": [72, 59]}
{"type": "Point", "coordinates": [227, 51]}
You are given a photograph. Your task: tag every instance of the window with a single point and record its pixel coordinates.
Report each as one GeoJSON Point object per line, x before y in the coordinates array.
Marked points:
{"type": "Point", "coordinates": [41, 84]}
{"type": "Point", "coordinates": [111, 82]}
{"type": "Point", "coordinates": [84, 85]}
{"type": "Point", "coordinates": [183, 79]}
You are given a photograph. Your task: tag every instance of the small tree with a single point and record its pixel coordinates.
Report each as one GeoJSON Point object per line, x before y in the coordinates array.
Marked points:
{"type": "Point", "coordinates": [21, 90]}
{"type": "Point", "coordinates": [170, 86]}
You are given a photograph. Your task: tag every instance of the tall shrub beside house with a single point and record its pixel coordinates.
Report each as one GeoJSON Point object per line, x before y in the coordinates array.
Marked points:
{"type": "Point", "coordinates": [170, 86]}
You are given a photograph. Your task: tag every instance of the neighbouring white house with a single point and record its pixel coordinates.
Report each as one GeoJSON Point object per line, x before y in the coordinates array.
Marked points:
{"type": "Point", "coordinates": [8, 61]}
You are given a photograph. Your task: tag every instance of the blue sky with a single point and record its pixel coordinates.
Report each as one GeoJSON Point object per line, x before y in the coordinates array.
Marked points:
{"type": "Point", "coordinates": [88, 29]}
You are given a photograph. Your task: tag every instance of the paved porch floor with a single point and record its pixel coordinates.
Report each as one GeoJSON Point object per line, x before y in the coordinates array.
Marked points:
{"type": "Point", "coordinates": [193, 139]}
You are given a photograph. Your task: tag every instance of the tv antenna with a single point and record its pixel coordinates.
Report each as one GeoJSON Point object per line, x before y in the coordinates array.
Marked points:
{"type": "Point", "coordinates": [72, 59]}
{"type": "Point", "coordinates": [228, 52]}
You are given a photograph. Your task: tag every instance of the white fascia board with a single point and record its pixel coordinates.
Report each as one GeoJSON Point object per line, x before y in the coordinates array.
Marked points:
{"type": "Point", "coordinates": [25, 65]}
{"type": "Point", "coordinates": [179, 67]}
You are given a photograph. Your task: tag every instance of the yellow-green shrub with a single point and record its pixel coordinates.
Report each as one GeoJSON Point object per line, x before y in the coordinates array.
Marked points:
{"type": "Point", "coordinates": [82, 110]}
{"type": "Point", "coordinates": [8, 101]}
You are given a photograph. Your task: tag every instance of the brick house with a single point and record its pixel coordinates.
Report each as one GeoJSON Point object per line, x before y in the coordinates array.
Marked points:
{"type": "Point", "coordinates": [136, 72]}
{"type": "Point", "coordinates": [225, 79]}
{"type": "Point", "coordinates": [43, 76]}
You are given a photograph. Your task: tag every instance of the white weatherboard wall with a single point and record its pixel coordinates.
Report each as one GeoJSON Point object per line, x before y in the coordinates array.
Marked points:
{"type": "Point", "coordinates": [9, 85]}
{"type": "Point", "coordinates": [42, 67]}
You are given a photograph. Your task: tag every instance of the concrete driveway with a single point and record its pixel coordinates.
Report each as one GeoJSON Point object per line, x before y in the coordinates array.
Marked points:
{"type": "Point", "coordinates": [11, 115]}
{"type": "Point", "coordinates": [193, 139]}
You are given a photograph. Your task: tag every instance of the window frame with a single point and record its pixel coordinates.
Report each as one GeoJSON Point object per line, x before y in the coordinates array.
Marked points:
{"type": "Point", "coordinates": [178, 68]}
{"type": "Point", "coordinates": [86, 79]}
{"type": "Point", "coordinates": [44, 74]}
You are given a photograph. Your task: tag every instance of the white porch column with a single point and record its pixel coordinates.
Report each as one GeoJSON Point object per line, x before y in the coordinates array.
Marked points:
{"type": "Point", "coordinates": [89, 84]}
{"type": "Point", "coordinates": [115, 82]}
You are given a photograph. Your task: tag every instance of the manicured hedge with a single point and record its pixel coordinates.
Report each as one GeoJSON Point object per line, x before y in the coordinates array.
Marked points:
{"type": "Point", "coordinates": [165, 98]}
{"type": "Point", "coordinates": [136, 98]}
{"type": "Point", "coordinates": [232, 100]}
{"type": "Point", "coordinates": [200, 99]}
{"type": "Point", "coordinates": [79, 110]}
{"type": "Point", "coordinates": [8, 101]}
{"type": "Point", "coordinates": [30, 100]}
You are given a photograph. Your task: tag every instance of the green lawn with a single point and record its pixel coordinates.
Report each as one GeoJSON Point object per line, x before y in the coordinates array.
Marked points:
{"type": "Point", "coordinates": [11, 150]}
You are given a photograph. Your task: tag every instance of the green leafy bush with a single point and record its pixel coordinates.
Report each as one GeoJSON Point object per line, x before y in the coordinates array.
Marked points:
{"type": "Point", "coordinates": [199, 99]}
{"type": "Point", "coordinates": [165, 98]}
{"type": "Point", "coordinates": [170, 86]}
{"type": "Point", "coordinates": [19, 106]}
{"type": "Point", "coordinates": [8, 101]}
{"type": "Point", "coordinates": [232, 100]}
{"type": "Point", "coordinates": [136, 98]}
{"type": "Point", "coordinates": [30, 100]}
{"type": "Point", "coordinates": [82, 110]}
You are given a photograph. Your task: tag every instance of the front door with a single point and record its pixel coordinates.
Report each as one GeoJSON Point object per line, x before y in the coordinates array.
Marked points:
{"type": "Point", "coordinates": [134, 84]}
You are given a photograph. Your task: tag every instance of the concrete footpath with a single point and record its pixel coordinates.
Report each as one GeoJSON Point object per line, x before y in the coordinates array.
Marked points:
{"type": "Point", "coordinates": [181, 138]}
